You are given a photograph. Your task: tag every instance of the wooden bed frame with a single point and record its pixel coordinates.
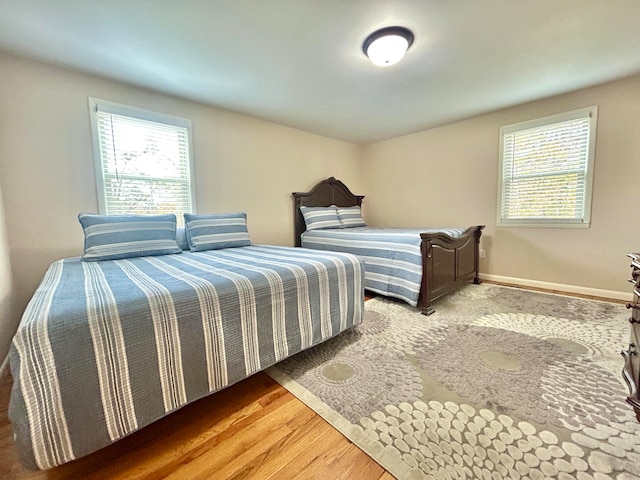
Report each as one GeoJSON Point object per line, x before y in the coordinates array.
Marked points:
{"type": "Point", "coordinates": [447, 262]}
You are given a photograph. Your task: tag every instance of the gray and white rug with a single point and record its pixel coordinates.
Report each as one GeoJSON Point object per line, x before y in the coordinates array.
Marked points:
{"type": "Point", "coordinates": [499, 383]}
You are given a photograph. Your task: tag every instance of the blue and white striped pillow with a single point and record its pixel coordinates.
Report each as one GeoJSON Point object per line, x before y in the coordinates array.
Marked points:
{"type": "Point", "coordinates": [110, 237]}
{"type": "Point", "coordinates": [212, 232]}
{"type": "Point", "coordinates": [318, 218]}
{"type": "Point", "coordinates": [351, 217]}
{"type": "Point", "coordinates": [181, 238]}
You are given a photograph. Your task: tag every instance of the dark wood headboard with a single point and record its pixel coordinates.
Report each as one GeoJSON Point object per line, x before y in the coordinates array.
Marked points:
{"type": "Point", "coordinates": [327, 192]}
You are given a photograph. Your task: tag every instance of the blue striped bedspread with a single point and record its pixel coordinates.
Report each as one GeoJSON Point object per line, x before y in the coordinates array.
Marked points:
{"type": "Point", "coordinates": [393, 261]}
{"type": "Point", "coordinates": [105, 348]}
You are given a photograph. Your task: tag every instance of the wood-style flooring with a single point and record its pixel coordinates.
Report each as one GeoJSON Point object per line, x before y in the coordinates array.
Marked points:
{"type": "Point", "coordinates": [254, 429]}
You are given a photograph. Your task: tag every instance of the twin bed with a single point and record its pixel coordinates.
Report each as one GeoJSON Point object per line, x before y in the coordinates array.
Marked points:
{"type": "Point", "coordinates": [417, 266]}
{"type": "Point", "coordinates": [117, 340]}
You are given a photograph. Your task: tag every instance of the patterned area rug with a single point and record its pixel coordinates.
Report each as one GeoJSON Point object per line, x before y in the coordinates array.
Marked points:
{"type": "Point", "coordinates": [499, 383]}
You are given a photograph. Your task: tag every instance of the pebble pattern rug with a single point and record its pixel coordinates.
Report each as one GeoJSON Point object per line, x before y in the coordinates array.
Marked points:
{"type": "Point", "coordinates": [499, 383]}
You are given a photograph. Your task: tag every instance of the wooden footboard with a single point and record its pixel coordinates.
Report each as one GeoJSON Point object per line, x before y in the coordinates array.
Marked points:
{"type": "Point", "coordinates": [447, 264]}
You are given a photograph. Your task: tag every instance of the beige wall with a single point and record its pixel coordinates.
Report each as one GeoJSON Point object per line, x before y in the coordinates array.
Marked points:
{"type": "Point", "coordinates": [6, 288]}
{"type": "Point", "coordinates": [448, 176]}
{"type": "Point", "coordinates": [47, 170]}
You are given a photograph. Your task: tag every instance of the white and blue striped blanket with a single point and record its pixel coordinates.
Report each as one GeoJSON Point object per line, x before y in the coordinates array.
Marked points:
{"type": "Point", "coordinates": [105, 348]}
{"type": "Point", "coordinates": [392, 256]}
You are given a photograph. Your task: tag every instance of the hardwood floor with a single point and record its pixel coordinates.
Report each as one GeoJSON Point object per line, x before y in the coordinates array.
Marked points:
{"type": "Point", "coordinates": [252, 430]}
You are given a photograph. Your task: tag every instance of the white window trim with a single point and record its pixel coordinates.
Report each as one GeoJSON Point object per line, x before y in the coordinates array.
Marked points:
{"type": "Point", "coordinates": [592, 112]}
{"type": "Point", "coordinates": [96, 104]}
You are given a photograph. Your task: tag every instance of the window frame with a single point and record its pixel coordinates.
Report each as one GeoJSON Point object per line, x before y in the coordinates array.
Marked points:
{"type": "Point", "coordinates": [96, 104]}
{"type": "Point", "coordinates": [585, 222]}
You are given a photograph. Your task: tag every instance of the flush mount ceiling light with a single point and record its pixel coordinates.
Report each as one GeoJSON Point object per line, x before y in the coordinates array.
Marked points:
{"type": "Point", "coordinates": [387, 46]}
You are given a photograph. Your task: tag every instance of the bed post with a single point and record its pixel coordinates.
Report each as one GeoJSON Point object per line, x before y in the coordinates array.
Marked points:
{"type": "Point", "coordinates": [478, 233]}
{"type": "Point", "coordinates": [426, 248]}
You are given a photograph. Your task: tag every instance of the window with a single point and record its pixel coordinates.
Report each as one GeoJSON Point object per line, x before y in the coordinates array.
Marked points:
{"type": "Point", "coordinates": [546, 171]}
{"type": "Point", "coordinates": [143, 161]}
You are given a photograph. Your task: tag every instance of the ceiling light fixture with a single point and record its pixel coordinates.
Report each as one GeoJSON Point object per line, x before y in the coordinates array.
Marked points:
{"type": "Point", "coordinates": [388, 45]}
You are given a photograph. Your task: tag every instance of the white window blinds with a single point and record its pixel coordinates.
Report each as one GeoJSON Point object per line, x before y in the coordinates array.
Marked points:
{"type": "Point", "coordinates": [547, 170]}
{"type": "Point", "coordinates": [144, 161]}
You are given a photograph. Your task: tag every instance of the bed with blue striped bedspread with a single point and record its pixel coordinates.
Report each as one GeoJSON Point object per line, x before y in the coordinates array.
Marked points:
{"type": "Point", "coordinates": [105, 348]}
{"type": "Point", "coordinates": [392, 256]}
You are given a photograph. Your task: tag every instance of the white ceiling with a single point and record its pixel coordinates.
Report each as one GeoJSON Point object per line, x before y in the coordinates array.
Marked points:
{"type": "Point", "coordinates": [299, 62]}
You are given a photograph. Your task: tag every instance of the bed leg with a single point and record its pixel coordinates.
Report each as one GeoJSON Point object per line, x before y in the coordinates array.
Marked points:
{"type": "Point", "coordinates": [428, 310]}
{"type": "Point", "coordinates": [477, 281]}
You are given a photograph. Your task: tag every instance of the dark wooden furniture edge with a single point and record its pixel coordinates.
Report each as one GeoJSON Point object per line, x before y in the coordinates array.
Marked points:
{"type": "Point", "coordinates": [447, 262]}
{"type": "Point", "coordinates": [461, 255]}
{"type": "Point", "coordinates": [631, 378]}
{"type": "Point", "coordinates": [635, 403]}
{"type": "Point", "coordinates": [627, 373]}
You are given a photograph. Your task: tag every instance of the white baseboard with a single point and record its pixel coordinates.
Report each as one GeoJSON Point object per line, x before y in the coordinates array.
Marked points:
{"type": "Point", "coordinates": [559, 287]}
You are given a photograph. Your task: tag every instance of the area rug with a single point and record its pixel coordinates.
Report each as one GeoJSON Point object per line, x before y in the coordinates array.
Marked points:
{"type": "Point", "coordinates": [499, 383]}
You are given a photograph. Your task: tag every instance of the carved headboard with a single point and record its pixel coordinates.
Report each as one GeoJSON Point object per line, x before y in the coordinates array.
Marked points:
{"type": "Point", "coordinates": [327, 192]}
